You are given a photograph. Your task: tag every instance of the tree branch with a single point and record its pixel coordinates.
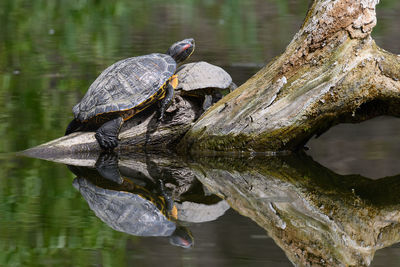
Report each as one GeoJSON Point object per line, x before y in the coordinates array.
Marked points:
{"type": "Point", "coordinates": [331, 72]}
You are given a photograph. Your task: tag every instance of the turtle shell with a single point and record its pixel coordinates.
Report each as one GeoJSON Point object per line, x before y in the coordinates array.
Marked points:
{"type": "Point", "coordinates": [201, 75]}
{"type": "Point", "coordinates": [124, 211]}
{"type": "Point", "coordinates": [125, 85]}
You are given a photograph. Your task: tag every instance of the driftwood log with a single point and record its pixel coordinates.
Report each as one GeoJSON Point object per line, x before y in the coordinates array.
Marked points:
{"type": "Point", "coordinates": [331, 72]}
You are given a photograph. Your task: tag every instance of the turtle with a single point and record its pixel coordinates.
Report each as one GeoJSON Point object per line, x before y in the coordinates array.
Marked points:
{"type": "Point", "coordinates": [203, 80]}
{"type": "Point", "coordinates": [131, 208]}
{"type": "Point", "coordinates": [127, 87]}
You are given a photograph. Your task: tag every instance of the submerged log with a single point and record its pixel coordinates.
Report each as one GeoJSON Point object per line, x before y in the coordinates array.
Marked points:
{"type": "Point", "coordinates": [331, 72]}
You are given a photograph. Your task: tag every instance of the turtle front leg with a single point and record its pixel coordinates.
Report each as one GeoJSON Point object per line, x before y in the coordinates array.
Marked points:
{"type": "Point", "coordinates": [166, 101]}
{"type": "Point", "coordinates": [210, 100]}
{"type": "Point", "coordinates": [107, 134]}
{"type": "Point", "coordinates": [73, 126]}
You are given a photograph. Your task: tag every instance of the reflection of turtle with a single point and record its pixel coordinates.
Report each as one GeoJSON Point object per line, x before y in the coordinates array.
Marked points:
{"type": "Point", "coordinates": [198, 205]}
{"type": "Point", "coordinates": [136, 212]}
{"type": "Point", "coordinates": [131, 208]}
{"type": "Point", "coordinates": [126, 88]}
{"type": "Point", "coordinates": [201, 212]}
{"type": "Point", "coordinates": [204, 80]}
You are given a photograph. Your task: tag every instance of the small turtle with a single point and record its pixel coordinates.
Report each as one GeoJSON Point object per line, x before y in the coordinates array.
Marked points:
{"type": "Point", "coordinates": [126, 88]}
{"type": "Point", "coordinates": [204, 80]}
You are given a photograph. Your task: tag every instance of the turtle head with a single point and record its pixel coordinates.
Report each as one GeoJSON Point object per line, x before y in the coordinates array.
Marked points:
{"type": "Point", "coordinates": [181, 50]}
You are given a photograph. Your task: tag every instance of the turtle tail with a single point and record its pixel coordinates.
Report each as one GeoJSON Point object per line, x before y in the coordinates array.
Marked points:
{"type": "Point", "coordinates": [73, 126]}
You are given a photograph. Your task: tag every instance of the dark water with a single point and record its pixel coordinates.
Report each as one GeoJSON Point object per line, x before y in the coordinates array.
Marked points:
{"type": "Point", "coordinates": [51, 51]}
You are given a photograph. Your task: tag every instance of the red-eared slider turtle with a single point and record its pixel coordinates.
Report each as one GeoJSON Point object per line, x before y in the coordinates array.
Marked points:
{"type": "Point", "coordinates": [204, 80]}
{"type": "Point", "coordinates": [131, 208]}
{"type": "Point", "coordinates": [126, 88]}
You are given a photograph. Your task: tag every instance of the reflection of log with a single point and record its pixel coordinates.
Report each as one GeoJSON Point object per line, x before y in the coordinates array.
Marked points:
{"type": "Point", "coordinates": [313, 214]}
{"type": "Point", "coordinates": [331, 72]}
{"type": "Point", "coordinates": [316, 216]}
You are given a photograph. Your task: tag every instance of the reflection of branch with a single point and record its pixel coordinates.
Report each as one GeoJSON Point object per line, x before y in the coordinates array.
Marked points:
{"type": "Point", "coordinates": [327, 218]}
{"type": "Point", "coordinates": [379, 193]}
{"type": "Point", "coordinates": [314, 214]}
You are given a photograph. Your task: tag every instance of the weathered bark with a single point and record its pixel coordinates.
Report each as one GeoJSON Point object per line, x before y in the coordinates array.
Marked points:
{"type": "Point", "coordinates": [331, 72]}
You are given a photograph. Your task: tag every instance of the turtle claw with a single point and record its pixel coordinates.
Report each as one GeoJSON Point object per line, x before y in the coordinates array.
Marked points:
{"type": "Point", "coordinates": [162, 117]}
{"type": "Point", "coordinates": [106, 142]}
{"type": "Point", "coordinates": [107, 134]}
{"type": "Point", "coordinates": [166, 101]}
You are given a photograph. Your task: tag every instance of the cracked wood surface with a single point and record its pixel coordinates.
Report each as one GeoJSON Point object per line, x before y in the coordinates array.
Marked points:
{"type": "Point", "coordinates": [331, 72]}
